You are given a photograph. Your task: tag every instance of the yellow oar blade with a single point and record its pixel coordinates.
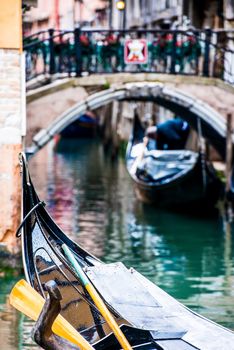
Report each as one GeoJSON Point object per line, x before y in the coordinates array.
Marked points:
{"type": "Point", "coordinates": [25, 299]}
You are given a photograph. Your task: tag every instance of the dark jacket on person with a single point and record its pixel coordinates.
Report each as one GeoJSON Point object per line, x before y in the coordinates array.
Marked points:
{"type": "Point", "coordinates": [172, 134]}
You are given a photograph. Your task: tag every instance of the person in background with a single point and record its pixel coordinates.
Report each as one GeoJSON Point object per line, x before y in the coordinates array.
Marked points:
{"type": "Point", "coordinates": [169, 135]}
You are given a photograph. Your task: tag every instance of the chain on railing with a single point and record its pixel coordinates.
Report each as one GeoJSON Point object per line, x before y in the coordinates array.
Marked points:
{"type": "Point", "coordinates": [193, 52]}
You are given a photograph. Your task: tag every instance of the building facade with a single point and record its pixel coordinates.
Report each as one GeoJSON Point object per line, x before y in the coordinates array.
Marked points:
{"type": "Point", "coordinates": [64, 15]}
{"type": "Point", "coordinates": [12, 119]}
{"type": "Point", "coordinates": [165, 14]}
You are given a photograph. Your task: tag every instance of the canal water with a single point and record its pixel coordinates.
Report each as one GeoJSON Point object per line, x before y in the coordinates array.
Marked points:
{"type": "Point", "coordinates": [93, 200]}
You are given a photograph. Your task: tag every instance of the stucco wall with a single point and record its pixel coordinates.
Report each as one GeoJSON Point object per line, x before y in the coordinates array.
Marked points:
{"type": "Point", "coordinates": [10, 24]}
{"type": "Point", "coordinates": [11, 105]}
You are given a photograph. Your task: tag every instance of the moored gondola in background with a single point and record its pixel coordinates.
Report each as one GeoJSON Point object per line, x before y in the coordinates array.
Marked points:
{"type": "Point", "coordinates": [170, 178]}
{"type": "Point", "coordinates": [86, 126]}
{"type": "Point", "coordinates": [149, 318]}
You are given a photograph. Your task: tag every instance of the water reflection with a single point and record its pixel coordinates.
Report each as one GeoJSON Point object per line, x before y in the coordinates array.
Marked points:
{"type": "Point", "coordinates": [93, 200]}
{"type": "Point", "coordinates": [189, 257]}
{"type": "Point", "coordinates": [10, 319]}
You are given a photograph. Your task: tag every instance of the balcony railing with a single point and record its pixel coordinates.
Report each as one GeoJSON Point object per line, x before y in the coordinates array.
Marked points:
{"type": "Point", "coordinates": [205, 53]}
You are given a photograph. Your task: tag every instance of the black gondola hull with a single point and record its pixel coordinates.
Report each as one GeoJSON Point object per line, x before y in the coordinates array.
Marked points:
{"type": "Point", "coordinates": [183, 192]}
{"type": "Point", "coordinates": [196, 187]}
{"type": "Point", "coordinates": [150, 318]}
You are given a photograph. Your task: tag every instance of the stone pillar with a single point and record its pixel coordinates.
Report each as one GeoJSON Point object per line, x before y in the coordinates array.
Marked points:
{"type": "Point", "coordinates": [12, 121]}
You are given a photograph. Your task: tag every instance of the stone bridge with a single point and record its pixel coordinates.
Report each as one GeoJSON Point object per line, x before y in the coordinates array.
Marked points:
{"type": "Point", "coordinates": [51, 108]}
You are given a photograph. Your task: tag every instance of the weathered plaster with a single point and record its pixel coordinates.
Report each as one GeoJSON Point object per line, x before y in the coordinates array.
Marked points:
{"type": "Point", "coordinates": [10, 145]}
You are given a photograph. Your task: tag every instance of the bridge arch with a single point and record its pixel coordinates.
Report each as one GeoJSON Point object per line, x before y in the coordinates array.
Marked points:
{"type": "Point", "coordinates": [191, 109]}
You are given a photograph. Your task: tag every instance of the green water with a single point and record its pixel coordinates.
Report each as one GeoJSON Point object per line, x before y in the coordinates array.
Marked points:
{"type": "Point", "coordinates": [93, 200]}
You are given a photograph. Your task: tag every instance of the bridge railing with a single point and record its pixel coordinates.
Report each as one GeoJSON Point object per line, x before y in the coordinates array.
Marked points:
{"type": "Point", "coordinates": [206, 53]}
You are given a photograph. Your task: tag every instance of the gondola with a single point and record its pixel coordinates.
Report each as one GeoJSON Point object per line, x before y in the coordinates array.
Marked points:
{"type": "Point", "coordinates": [149, 318]}
{"type": "Point", "coordinates": [86, 126]}
{"type": "Point", "coordinates": [170, 178]}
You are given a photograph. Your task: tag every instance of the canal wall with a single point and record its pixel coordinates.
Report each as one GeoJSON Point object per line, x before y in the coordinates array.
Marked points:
{"type": "Point", "coordinates": [12, 121]}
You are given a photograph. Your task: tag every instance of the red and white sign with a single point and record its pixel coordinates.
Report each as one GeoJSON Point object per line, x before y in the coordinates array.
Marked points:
{"type": "Point", "coordinates": [135, 51]}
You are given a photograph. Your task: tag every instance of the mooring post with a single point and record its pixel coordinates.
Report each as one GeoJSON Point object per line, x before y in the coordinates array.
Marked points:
{"type": "Point", "coordinates": [107, 127]}
{"type": "Point", "coordinates": [114, 129]}
{"type": "Point", "coordinates": [229, 162]}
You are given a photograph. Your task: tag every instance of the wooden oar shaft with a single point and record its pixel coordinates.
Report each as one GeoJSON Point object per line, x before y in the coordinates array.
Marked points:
{"type": "Point", "coordinates": [108, 317]}
{"type": "Point", "coordinates": [25, 299]}
{"type": "Point", "coordinates": [145, 143]}
{"type": "Point", "coordinates": [140, 156]}
{"type": "Point", "coordinates": [97, 300]}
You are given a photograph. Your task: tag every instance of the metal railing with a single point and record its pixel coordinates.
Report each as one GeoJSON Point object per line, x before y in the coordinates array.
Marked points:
{"type": "Point", "coordinates": [205, 53]}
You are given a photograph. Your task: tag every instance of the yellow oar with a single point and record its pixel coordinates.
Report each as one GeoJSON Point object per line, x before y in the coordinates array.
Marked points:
{"type": "Point", "coordinates": [25, 299]}
{"type": "Point", "coordinates": [97, 299]}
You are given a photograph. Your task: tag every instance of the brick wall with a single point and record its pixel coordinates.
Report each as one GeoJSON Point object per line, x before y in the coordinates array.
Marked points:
{"type": "Point", "coordinates": [10, 144]}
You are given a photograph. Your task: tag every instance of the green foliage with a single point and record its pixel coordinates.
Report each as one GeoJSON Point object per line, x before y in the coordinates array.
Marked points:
{"type": "Point", "coordinates": [106, 86]}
